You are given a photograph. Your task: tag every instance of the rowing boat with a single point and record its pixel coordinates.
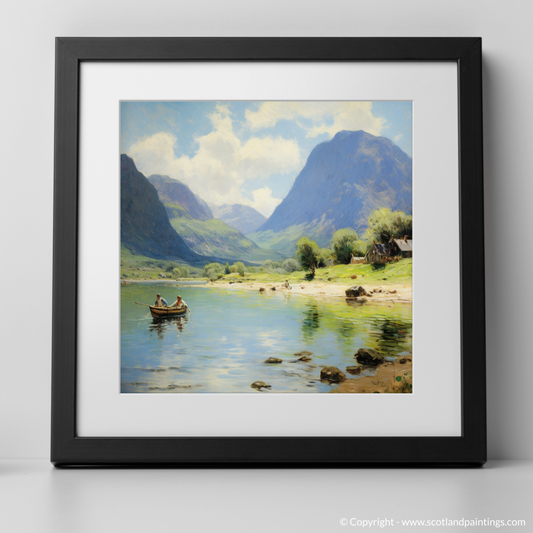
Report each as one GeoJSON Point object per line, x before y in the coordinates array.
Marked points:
{"type": "Point", "coordinates": [163, 312]}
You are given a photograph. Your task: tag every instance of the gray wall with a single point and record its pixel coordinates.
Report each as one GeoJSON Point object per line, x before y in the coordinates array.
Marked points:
{"type": "Point", "coordinates": [27, 31]}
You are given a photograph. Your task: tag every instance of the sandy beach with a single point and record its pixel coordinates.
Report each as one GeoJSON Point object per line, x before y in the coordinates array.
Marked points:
{"type": "Point", "coordinates": [375, 293]}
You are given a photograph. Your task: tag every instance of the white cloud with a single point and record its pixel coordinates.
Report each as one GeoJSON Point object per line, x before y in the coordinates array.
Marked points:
{"type": "Point", "coordinates": [263, 201]}
{"type": "Point", "coordinates": [398, 137]}
{"type": "Point", "coordinates": [325, 117]}
{"type": "Point", "coordinates": [222, 162]}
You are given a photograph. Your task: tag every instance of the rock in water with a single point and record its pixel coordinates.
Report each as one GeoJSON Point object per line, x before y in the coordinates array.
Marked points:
{"type": "Point", "coordinates": [260, 385]}
{"type": "Point", "coordinates": [369, 357]}
{"type": "Point", "coordinates": [304, 352]}
{"type": "Point", "coordinates": [355, 291]}
{"type": "Point", "coordinates": [273, 360]}
{"type": "Point", "coordinates": [354, 370]}
{"type": "Point", "coordinates": [304, 359]}
{"type": "Point", "coordinates": [332, 374]}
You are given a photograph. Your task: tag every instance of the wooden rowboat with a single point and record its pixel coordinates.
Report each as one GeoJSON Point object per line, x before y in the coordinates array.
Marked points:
{"type": "Point", "coordinates": [164, 312]}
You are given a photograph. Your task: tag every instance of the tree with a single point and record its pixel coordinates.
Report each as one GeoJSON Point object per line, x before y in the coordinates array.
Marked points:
{"type": "Point", "coordinates": [307, 254]}
{"type": "Point", "coordinates": [384, 225]}
{"type": "Point", "coordinates": [213, 270]}
{"type": "Point", "coordinates": [342, 243]}
{"type": "Point", "coordinates": [360, 248]}
{"type": "Point", "coordinates": [323, 255]}
{"type": "Point", "coordinates": [227, 269]}
{"type": "Point", "coordinates": [239, 267]}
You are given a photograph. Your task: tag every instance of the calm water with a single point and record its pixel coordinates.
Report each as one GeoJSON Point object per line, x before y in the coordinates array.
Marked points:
{"type": "Point", "coordinates": [222, 345]}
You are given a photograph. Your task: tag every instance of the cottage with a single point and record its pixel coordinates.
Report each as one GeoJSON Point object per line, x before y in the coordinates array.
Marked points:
{"type": "Point", "coordinates": [379, 253]}
{"type": "Point", "coordinates": [403, 247]}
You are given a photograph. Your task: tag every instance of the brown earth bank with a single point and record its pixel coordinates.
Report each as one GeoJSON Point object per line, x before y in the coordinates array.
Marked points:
{"type": "Point", "coordinates": [375, 293]}
{"type": "Point", "coordinates": [389, 378]}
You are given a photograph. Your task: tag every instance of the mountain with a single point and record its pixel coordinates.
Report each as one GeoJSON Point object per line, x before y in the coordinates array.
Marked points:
{"type": "Point", "coordinates": [241, 217]}
{"type": "Point", "coordinates": [343, 181]}
{"type": "Point", "coordinates": [174, 192]}
{"type": "Point", "coordinates": [144, 225]}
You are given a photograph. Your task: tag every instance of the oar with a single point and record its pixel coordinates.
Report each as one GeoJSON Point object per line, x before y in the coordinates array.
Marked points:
{"type": "Point", "coordinates": [146, 305]}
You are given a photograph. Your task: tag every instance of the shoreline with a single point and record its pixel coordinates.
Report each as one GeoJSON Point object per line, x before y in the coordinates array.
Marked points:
{"type": "Point", "coordinates": [375, 292]}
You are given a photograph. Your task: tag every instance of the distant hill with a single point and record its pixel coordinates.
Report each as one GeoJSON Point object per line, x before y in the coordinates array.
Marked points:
{"type": "Point", "coordinates": [241, 217]}
{"type": "Point", "coordinates": [144, 225]}
{"type": "Point", "coordinates": [343, 181]}
{"type": "Point", "coordinates": [173, 191]}
{"type": "Point", "coordinates": [215, 237]}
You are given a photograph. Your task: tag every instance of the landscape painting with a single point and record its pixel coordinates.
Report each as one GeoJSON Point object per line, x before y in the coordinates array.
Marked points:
{"type": "Point", "coordinates": [266, 247]}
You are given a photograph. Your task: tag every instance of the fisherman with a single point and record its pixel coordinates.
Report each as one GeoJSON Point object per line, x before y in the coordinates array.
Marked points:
{"type": "Point", "coordinates": [160, 302]}
{"type": "Point", "coordinates": [179, 303]}
{"type": "Point", "coordinates": [287, 285]}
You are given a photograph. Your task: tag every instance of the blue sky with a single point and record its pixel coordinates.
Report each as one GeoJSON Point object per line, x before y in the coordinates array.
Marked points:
{"type": "Point", "coordinates": [247, 152]}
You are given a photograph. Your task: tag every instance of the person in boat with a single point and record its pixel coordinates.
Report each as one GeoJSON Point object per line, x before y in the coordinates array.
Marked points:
{"type": "Point", "coordinates": [160, 302]}
{"type": "Point", "coordinates": [179, 303]}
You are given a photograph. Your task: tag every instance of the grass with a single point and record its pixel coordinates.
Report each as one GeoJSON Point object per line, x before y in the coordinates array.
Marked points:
{"type": "Point", "coordinates": [140, 267]}
{"type": "Point", "coordinates": [399, 273]}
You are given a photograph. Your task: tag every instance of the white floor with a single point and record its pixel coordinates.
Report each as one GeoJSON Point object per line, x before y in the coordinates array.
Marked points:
{"type": "Point", "coordinates": [35, 497]}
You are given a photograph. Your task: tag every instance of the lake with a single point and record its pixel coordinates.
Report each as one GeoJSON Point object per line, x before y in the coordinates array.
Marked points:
{"type": "Point", "coordinates": [222, 345]}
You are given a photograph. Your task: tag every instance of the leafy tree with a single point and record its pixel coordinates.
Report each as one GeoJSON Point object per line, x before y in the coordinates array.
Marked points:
{"type": "Point", "coordinates": [291, 265]}
{"type": "Point", "coordinates": [213, 270]}
{"type": "Point", "coordinates": [239, 267]}
{"type": "Point", "coordinates": [227, 269]}
{"type": "Point", "coordinates": [384, 225]}
{"type": "Point", "coordinates": [360, 248]}
{"type": "Point", "coordinates": [323, 255]}
{"type": "Point", "coordinates": [342, 243]}
{"type": "Point", "coordinates": [307, 253]}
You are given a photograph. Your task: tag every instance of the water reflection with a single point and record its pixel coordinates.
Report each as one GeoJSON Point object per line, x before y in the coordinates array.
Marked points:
{"type": "Point", "coordinates": [389, 336]}
{"type": "Point", "coordinates": [160, 326]}
{"type": "Point", "coordinates": [310, 322]}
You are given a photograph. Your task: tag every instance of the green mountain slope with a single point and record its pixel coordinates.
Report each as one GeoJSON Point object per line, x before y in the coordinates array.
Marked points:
{"type": "Point", "coordinates": [214, 237]}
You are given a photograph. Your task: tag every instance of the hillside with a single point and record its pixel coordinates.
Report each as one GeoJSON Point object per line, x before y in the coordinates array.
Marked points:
{"type": "Point", "coordinates": [144, 225]}
{"type": "Point", "coordinates": [241, 217]}
{"type": "Point", "coordinates": [343, 181]}
{"type": "Point", "coordinates": [214, 237]}
{"type": "Point", "coordinates": [173, 191]}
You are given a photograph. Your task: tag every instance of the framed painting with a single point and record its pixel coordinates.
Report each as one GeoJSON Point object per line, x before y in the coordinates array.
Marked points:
{"type": "Point", "coordinates": [235, 280]}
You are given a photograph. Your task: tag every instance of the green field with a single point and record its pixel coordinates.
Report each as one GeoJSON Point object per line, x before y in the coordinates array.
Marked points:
{"type": "Point", "coordinates": [392, 274]}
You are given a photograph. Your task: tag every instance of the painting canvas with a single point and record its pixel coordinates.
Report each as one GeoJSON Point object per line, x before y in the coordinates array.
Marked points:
{"type": "Point", "coordinates": [266, 247]}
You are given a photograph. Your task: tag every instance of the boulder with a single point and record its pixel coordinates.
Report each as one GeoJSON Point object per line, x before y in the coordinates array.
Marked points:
{"type": "Point", "coordinates": [273, 289]}
{"type": "Point", "coordinates": [304, 359]}
{"type": "Point", "coordinates": [273, 360]}
{"type": "Point", "coordinates": [304, 352]}
{"type": "Point", "coordinates": [354, 369]}
{"type": "Point", "coordinates": [261, 289]}
{"type": "Point", "coordinates": [369, 357]}
{"type": "Point", "coordinates": [260, 385]}
{"type": "Point", "coordinates": [332, 374]}
{"type": "Point", "coordinates": [404, 360]}
{"type": "Point", "coordinates": [355, 291]}
{"type": "Point", "coordinates": [354, 276]}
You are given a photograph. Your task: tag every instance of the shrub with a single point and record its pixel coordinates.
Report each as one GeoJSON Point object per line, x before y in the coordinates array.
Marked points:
{"type": "Point", "coordinates": [291, 265]}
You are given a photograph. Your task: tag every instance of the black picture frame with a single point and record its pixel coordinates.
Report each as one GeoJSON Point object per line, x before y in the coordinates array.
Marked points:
{"type": "Point", "coordinates": [68, 449]}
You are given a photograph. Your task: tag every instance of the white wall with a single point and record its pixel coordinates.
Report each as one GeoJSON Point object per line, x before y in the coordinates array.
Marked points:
{"type": "Point", "coordinates": [27, 31]}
